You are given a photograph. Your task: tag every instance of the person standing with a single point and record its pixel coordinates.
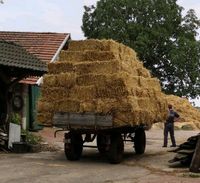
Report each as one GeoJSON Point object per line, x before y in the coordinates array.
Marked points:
{"type": "Point", "coordinates": [169, 126]}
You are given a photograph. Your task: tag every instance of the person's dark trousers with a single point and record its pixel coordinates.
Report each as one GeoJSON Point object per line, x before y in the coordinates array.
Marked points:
{"type": "Point", "coordinates": [169, 127]}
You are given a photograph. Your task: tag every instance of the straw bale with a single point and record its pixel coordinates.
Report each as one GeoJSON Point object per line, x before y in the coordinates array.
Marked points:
{"type": "Point", "coordinates": [66, 80]}
{"type": "Point", "coordinates": [111, 105]}
{"type": "Point", "coordinates": [45, 118]}
{"type": "Point", "coordinates": [161, 104]}
{"type": "Point", "coordinates": [89, 106]}
{"type": "Point", "coordinates": [67, 105]}
{"type": "Point", "coordinates": [134, 88]}
{"type": "Point", "coordinates": [134, 118]}
{"type": "Point", "coordinates": [103, 45]}
{"type": "Point", "coordinates": [147, 103]}
{"type": "Point", "coordinates": [49, 80]}
{"type": "Point", "coordinates": [79, 56]}
{"type": "Point", "coordinates": [143, 92]}
{"type": "Point", "coordinates": [149, 83]}
{"type": "Point", "coordinates": [92, 44]}
{"type": "Point", "coordinates": [69, 56]}
{"type": "Point", "coordinates": [104, 92]}
{"type": "Point", "coordinates": [134, 102]}
{"type": "Point", "coordinates": [88, 45]}
{"type": "Point", "coordinates": [128, 67]}
{"type": "Point", "coordinates": [186, 125]}
{"type": "Point", "coordinates": [108, 80]}
{"type": "Point", "coordinates": [143, 72]}
{"type": "Point", "coordinates": [112, 88]}
{"type": "Point", "coordinates": [109, 66]}
{"type": "Point", "coordinates": [60, 67]}
{"type": "Point", "coordinates": [83, 93]}
{"type": "Point", "coordinates": [197, 124]}
{"type": "Point", "coordinates": [44, 106]}
{"type": "Point", "coordinates": [54, 93]}
{"type": "Point", "coordinates": [124, 119]}
{"type": "Point", "coordinates": [97, 67]}
{"type": "Point", "coordinates": [90, 79]}
{"type": "Point", "coordinates": [131, 81]}
{"type": "Point", "coordinates": [103, 77]}
{"type": "Point", "coordinates": [60, 80]}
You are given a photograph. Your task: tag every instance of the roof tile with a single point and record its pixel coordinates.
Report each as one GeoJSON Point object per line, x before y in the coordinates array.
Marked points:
{"type": "Point", "coordinates": [16, 56]}
{"type": "Point", "coordinates": [44, 45]}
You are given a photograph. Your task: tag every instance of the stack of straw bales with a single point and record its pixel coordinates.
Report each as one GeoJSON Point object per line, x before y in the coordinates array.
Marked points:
{"type": "Point", "coordinates": [188, 114]}
{"type": "Point", "coordinates": [102, 77]}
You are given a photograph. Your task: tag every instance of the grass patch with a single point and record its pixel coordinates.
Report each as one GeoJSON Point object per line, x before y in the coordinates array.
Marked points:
{"type": "Point", "coordinates": [31, 138]}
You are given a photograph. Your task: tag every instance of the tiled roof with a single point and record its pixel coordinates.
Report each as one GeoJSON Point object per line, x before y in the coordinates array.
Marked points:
{"type": "Point", "coordinates": [15, 56]}
{"type": "Point", "coordinates": [43, 45]}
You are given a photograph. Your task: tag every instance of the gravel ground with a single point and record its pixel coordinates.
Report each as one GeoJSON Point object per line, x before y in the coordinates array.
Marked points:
{"type": "Point", "coordinates": [51, 167]}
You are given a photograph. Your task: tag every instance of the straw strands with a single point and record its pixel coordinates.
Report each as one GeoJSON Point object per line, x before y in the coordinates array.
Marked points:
{"type": "Point", "coordinates": [102, 77]}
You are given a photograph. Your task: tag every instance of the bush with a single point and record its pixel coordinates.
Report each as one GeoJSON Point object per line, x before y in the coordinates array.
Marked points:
{"type": "Point", "coordinates": [15, 118]}
{"type": "Point", "coordinates": [31, 138]}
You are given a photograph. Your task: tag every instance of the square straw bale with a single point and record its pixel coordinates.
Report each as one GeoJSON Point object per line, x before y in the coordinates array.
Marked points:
{"type": "Point", "coordinates": [92, 44]}
{"type": "Point", "coordinates": [88, 106]}
{"type": "Point", "coordinates": [111, 92]}
{"type": "Point", "coordinates": [83, 93]}
{"type": "Point", "coordinates": [97, 67]}
{"type": "Point", "coordinates": [54, 93]}
{"type": "Point", "coordinates": [67, 105]}
{"type": "Point", "coordinates": [149, 83]}
{"type": "Point", "coordinates": [49, 80]}
{"type": "Point", "coordinates": [71, 56]}
{"type": "Point", "coordinates": [60, 67]}
{"type": "Point", "coordinates": [90, 79]}
{"type": "Point", "coordinates": [143, 72]}
{"type": "Point", "coordinates": [81, 56]}
{"type": "Point", "coordinates": [45, 106]}
{"type": "Point", "coordinates": [67, 80]}
{"type": "Point", "coordinates": [45, 118]}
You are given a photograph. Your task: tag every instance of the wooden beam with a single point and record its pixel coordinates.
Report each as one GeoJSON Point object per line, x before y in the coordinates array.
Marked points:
{"type": "Point", "coordinates": [195, 164]}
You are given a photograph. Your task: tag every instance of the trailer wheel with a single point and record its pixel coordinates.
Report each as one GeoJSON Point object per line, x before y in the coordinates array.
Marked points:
{"type": "Point", "coordinates": [102, 143]}
{"type": "Point", "coordinates": [140, 141]}
{"type": "Point", "coordinates": [73, 146]}
{"type": "Point", "coordinates": [116, 150]}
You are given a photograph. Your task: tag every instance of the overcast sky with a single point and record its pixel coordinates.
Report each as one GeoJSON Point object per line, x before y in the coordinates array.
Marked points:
{"type": "Point", "coordinates": [55, 15]}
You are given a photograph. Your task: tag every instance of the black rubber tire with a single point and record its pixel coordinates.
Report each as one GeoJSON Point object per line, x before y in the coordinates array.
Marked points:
{"type": "Point", "coordinates": [140, 141]}
{"type": "Point", "coordinates": [102, 143]}
{"type": "Point", "coordinates": [116, 150]}
{"type": "Point", "coordinates": [73, 150]}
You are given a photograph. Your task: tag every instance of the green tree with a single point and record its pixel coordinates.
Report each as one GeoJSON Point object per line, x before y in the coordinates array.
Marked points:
{"type": "Point", "coordinates": [164, 40]}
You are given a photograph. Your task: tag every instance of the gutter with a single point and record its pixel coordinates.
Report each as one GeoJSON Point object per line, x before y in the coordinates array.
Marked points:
{"type": "Point", "coordinates": [40, 80]}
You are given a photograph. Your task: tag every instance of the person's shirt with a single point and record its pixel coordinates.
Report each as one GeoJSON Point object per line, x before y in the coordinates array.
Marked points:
{"type": "Point", "coordinates": [171, 116]}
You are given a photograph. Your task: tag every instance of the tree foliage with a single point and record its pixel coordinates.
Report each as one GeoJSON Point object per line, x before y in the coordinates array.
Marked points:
{"type": "Point", "coordinates": [164, 39]}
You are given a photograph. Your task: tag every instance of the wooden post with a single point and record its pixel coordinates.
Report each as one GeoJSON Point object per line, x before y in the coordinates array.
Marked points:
{"type": "Point", "coordinates": [195, 164]}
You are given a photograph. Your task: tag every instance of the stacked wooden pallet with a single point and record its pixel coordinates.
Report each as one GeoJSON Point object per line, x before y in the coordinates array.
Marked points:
{"type": "Point", "coordinates": [185, 152]}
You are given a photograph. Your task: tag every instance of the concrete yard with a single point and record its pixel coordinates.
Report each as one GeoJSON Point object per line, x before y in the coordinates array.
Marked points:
{"type": "Point", "coordinates": [52, 167]}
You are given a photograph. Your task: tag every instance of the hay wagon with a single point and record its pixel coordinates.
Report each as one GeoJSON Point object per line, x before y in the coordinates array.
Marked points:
{"type": "Point", "coordinates": [99, 90]}
{"type": "Point", "coordinates": [87, 127]}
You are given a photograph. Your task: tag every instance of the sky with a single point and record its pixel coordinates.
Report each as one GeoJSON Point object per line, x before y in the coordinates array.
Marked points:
{"type": "Point", "coordinates": [55, 15]}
